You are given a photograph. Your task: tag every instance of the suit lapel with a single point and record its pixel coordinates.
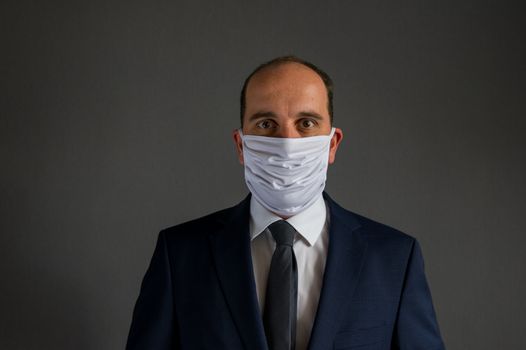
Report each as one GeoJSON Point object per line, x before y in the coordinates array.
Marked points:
{"type": "Point", "coordinates": [232, 256]}
{"type": "Point", "coordinates": [344, 261]}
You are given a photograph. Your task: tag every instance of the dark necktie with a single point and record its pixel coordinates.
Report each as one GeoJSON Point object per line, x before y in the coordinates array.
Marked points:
{"type": "Point", "coordinates": [279, 316]}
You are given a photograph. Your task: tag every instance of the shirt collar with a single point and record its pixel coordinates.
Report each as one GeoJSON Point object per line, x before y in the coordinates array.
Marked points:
{"type": "Point", "coordinates": [309, 223]}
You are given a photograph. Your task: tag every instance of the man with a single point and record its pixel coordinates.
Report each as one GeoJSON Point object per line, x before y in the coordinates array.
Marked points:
{"type": "Point", "coordinates": [287, 268]}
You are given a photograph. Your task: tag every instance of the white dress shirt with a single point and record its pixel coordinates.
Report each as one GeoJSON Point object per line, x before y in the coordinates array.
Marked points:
{"type": "Point", "coordinates": [310, 248]}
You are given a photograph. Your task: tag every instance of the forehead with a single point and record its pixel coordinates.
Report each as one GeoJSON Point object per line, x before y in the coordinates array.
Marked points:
{"type": "Point", "coordinates": [288, 90]}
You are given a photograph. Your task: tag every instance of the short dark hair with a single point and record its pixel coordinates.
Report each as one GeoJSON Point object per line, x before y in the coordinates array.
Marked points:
{"type": "Point", "coordinates": [289, 59]}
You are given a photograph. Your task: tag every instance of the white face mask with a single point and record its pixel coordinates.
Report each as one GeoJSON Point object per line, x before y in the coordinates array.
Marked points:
{"type": "Point", "coordinates": [286, 175]}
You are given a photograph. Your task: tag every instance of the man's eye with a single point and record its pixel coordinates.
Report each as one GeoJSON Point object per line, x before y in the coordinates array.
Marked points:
{"type": "Point", "coordinates": [307, 123]}
{"type": "Point", "coordinates": [264, 124]}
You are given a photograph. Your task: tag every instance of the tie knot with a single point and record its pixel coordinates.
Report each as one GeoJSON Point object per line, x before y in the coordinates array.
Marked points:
{"type": "Point", "coordinates": [283, 232]}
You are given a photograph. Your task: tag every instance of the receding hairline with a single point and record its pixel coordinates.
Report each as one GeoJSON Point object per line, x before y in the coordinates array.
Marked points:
{"type": "Point", "coordinates": [278, 65]}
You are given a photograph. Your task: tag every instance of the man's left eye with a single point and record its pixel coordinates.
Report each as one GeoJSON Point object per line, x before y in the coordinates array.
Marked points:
{"type": "Point", "coordinates": [307, 124]}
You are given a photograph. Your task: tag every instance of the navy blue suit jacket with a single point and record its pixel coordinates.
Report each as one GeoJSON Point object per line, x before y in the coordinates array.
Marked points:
{"type": "Point", "coordinates": [199, 290]}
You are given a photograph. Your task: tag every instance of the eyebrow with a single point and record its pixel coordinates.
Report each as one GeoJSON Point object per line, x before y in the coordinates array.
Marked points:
{"type": "Point", "coordinates": [262, 114]}
{"type": "Point", "coordinates": [311, 114]}
{"type": "Point", "coordinates": [269, 114]}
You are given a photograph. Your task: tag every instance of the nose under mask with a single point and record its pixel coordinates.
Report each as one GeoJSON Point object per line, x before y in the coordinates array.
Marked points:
{"type": "Point", "coordinates": [286, 175]}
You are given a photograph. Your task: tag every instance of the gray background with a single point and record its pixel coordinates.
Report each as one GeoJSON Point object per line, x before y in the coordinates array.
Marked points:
{"type": "Point", "coordinates": [116, 122]}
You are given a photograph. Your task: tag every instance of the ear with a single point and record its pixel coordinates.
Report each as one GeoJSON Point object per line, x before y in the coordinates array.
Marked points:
{"type": "Point", "coordinates": [335, 142]}
{"type": "Point", "coordinates": [239, 145]}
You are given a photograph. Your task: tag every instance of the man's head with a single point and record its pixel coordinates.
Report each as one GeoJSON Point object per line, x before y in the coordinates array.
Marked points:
{"type": "Point", "coordinates": [284, 60]}
{"type": "Point", "coordinates": [287, 97]}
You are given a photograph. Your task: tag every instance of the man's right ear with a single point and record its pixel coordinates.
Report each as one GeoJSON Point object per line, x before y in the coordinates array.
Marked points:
{"type": "Point", "coordinates": [239, 145]}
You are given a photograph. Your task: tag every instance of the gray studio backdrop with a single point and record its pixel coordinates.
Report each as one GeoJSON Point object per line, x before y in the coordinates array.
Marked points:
{"type": "Point", "coordinates": [116, 122]}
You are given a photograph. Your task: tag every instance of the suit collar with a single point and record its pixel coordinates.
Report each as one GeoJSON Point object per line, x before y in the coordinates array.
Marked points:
{"type": "Point", "coordinates": [347, 251]}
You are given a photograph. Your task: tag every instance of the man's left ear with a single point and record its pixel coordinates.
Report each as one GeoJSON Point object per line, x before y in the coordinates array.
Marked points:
{"type": "Point", "coordinates": [337, 137]}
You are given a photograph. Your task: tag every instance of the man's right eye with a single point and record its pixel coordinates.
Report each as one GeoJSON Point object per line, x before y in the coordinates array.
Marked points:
{"type": "Point", "coordinates": [264, 124]}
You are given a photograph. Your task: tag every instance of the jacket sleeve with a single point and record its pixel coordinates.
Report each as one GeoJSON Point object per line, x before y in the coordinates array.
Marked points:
{"type": "Point", "coordinates": [153, 324]}
{"type": "Point", "coordinates": [416, 326]}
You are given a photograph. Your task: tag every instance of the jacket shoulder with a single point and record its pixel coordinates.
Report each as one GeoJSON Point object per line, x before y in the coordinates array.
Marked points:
{"type": "Point", "coordinates": [374, 231]}
{"type": "Point", "coordinates": [383, 240]}
{"type": "Point", "coordinates": [199, 224]}
{"type": "Point", "coordinates": [200, 227]}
